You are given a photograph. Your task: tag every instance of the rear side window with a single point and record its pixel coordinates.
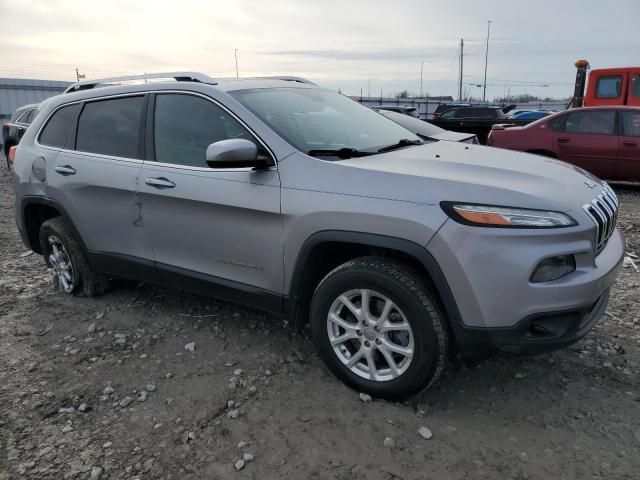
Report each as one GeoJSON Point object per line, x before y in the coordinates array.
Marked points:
{"type": "Point", "coordinates": [185, 125]}
{"type": "Point", "coordinates": [557, 123]}
{"type": "Point", "coordinates": [602, 122]}
{"type": "Point", "coordinates": [31, 116]}
{"type": "Point", "coordinates": [631, 123]}
{"type": "Point", "coordinates": [110, 127]}
{"type": "Point", "coordinates": [609, 86]}
{"type": "Point", "coordinates": [23, 117]}
{"type": "Point", "coordinates": [56, 130]}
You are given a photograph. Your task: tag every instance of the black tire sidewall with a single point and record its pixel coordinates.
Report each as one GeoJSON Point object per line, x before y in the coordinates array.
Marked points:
{"type": "Point", "coordinates": [427, 348]}
{"type": "Point", "coordinates": [57, 228]}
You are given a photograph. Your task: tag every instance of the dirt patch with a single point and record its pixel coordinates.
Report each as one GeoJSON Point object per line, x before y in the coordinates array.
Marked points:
{"type": "Point", "coordinates": [73, 372]}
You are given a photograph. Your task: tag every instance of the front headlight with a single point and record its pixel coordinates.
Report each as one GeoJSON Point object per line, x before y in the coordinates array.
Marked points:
{"type": "Point", "coordinates": [505, 217]}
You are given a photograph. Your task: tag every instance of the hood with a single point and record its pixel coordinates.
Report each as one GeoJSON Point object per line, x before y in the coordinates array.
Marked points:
{"type": "Point", "coordinates": [451, 171]}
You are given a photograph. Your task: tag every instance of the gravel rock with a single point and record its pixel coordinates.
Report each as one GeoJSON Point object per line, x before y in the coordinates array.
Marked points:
{"type": "Point", "coordinates": [389, 442]}
{"type": "Point", "coordinates": [237, 372]}
{"type": "Point", "coordinates": [234, 413]}
{"type": "Point", "coordinates": [519, 375]}
{"type": "Point", "coordinates": [240, 464]}
{"type": "Point", "coordinates": [125, 401]}
{"type": "Point", "coordinates": [84, 408]}
{"type": "Point", "coordinates": [248, 457]}
{"type": "Point", "coordinates": [143, 396]}
{"type": "Point", "coordinates": [106, 445]}
{"type": "Point", "coordinates": [108, 390]}
{"type": "Point", "coordinates": [242, 444]}
{"type": "Point", "coordinates": [190, 347]}
{"type": "Point", "coordinates": [151, 387]}
{"type": "Point", "coordinates": [67, 428]}
{"type": "Point", "coordinates": [91, 328]}
{"type": "Point", "coordinates": [96, 473]}
{"type": "Point", "coordinates": [425, 433]}
{"type": "Point", "coordinates": [365, 397]}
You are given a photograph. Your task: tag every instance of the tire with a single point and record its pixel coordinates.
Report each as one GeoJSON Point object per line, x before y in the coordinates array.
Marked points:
{"type": "Point", "coordinates": [79, 278]}
{"type": "Point", "coordinates": [6, 155]}
{"type": "Point", "coordinates": [382, 280]}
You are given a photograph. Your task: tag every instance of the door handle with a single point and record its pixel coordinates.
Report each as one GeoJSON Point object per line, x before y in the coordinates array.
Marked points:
{"type": "Point", "coordinates": [160, 182]}
{"type": "Point", "coordinates": [65, 170]}
{"type": "Point", "coordinates": [563, 140]}
{"type": "Point", "coordinates": [629, 144]}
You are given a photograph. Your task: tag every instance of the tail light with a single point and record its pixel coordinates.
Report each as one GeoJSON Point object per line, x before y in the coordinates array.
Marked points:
{"type": "Point", "coordinates": [12, 154]}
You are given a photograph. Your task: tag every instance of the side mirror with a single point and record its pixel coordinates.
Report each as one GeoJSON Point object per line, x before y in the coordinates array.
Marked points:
{"type": "Point", "coordinates": [233, 153]}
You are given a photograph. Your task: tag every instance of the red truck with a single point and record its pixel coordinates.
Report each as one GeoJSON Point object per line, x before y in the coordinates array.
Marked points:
{"type": "Point", "coordinates": [606, 86]}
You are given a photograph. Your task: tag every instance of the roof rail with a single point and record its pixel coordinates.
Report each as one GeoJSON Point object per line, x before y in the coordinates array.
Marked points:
{"type": "Point", "coordinates": [177, 76]}
{"type": "Point", "coordinates": [286, 79]}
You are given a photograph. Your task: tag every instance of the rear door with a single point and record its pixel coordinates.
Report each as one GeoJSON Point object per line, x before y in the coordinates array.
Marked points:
{"type": "Point", "coordinates": [215, 230]}
{"type": "Point", "coordinates": [628, 166]}
{"type": "Point", "coordinates": [589, 140]}
{"type": "Point", "coordinates": [95, 178]}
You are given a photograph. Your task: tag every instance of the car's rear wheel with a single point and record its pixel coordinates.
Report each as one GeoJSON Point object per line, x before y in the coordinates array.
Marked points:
{"type": "Point", "coordinates": [66, 260]}
{"type": "Point", "coordinates": [378, 328]}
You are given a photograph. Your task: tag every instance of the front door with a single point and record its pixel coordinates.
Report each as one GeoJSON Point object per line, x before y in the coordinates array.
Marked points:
{"type": "Point", "coordinates": [215, 230]}
{"type": "Point", "coordinates": [590, 141]}
{"type": "Point", "coordinates": [628, 167]}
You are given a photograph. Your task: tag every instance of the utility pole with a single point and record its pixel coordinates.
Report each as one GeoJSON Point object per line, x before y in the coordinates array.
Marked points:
{"type": "Point", "coordinates": [421, 70]}
{"type": "Point", "coordinates": [461, 69]}
{"type": "Point", "coordinates": [235, 54]}
{"type": "Point", "coordinates": [486, 60]}
{"type": "Point", "coordinates": [369, 88]}
{"type": "Point", "coordinates": [77, 76]}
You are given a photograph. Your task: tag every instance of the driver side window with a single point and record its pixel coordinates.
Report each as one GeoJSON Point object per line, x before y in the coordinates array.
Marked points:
{"type": "Point", "coordinates": [185, 125]}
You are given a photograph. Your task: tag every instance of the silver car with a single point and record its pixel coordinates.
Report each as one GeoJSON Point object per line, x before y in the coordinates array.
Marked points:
{"type": "Point", "coordinates": [276, 193]}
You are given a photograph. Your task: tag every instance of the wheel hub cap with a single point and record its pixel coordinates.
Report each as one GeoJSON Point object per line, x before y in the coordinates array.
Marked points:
{"type": "Point", "coordinates": [370, 335]}
{"type": "Point", "coordinates": [61, 266]}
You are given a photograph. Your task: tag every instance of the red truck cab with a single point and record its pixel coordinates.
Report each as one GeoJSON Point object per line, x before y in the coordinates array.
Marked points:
{"type": "Point", "coordinates": [613, 86]}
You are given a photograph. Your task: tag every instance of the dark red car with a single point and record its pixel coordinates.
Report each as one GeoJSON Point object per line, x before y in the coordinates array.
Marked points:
{"type": "Point", "coordinates": [603, 140]}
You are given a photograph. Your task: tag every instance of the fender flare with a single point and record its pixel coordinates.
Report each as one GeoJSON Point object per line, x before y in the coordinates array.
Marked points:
{"type": "Point", "coordinates": [408, 247]}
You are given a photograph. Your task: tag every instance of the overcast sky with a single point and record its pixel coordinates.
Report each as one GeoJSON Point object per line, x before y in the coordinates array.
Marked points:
{"type": "Point", "coordinates": [347, 44]}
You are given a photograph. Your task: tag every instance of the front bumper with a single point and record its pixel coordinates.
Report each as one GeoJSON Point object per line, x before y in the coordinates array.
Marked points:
{"type": "Point", "coordinates": [499, 309]}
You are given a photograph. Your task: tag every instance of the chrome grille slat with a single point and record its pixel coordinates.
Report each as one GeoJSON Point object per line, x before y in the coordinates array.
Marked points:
{"type": "Point", "coordinates": [603, 211]}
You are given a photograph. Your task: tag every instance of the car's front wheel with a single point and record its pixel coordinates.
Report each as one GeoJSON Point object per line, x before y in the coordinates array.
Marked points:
{"type": "Point", "coordinates": [378, 328]}
{"type": "Point", "coordinates": [66, 260]}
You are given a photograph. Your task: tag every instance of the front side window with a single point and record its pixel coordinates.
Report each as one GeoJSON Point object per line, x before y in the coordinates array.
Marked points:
{"type": "Point", "coordinates": [601, 122]}
{"type": "Point", "coordinates": [557, 124]}
{"type": "Point", "coordinates": [317, 119]}
{"type": "Point", "coordinates": [609, 86]}
{"type": "Point", "coordinates": [110, 127]}
{"type": "Point", "coordinates": [55, 131]}
{"type": "Point", "coordinates": [631, 123]}
{"type": "Point", "coordinates": [185, 125]}
{"type": "Point", "coordinates": [635, 85]}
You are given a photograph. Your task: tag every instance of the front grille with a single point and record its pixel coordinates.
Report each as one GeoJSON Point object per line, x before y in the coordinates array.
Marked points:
{"type": "Point", "coordinates": [603, 210]}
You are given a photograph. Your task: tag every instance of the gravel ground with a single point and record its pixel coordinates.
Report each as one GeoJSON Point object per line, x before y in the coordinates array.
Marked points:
{"type": "Point", "coordinates": [146, 382]}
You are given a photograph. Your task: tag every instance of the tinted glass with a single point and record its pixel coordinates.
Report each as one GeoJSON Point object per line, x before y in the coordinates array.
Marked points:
{"type": "Point", "coordinates": [609, 87]}
{"type": "Point", "coordinates": [635, 86]}
{"type": "Point", "coordinates": [185, 125]}
{"type": "Point", "coordinates": [594, 122]}
{"type": "Point", "coordinates": [557, 124]}
{"type": "Point", "coordinates": [110, 127]}
{"type": "Point", "coordinates": [22, 118]}
{"type": "Point", "coordinates": [318, 119]}
{"type": "Point", "coordinates": [56, 130]}
{"type": "Point", "coordinates": [631, 123]}
{"type": "Point", "coordinates": [31, 116]}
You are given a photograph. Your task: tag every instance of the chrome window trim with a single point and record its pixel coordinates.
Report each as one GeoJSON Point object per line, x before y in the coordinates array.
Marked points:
{"type": "Point", "coordinates": [153, 162]}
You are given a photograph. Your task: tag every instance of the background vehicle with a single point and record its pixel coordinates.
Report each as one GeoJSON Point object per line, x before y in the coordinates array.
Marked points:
{"type": "Point", "coordinates": [530, 115]}
{"type": "Point", "coordinates": [603, 140]}
{"type": "Point", "coordinates": [474, 120]}
{"type": "Point", "coordinates": [298, 200]}
{"type": "Point", "coordinates": [606, 86]}
{"type": "Point", "coordinates": [13, 130]}
{"type": "Point", "coordinates": [408, 111]}
{"type": "Point", "coordinates": [425, 129]}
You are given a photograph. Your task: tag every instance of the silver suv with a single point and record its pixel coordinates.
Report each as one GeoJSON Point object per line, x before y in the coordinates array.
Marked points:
{"type": "Point", "coordinates": [292, 198]}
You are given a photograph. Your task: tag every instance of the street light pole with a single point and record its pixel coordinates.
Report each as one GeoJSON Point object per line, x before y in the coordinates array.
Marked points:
{"type": "Point", "coordinates": [486, 59]}
{"type": "Point", "coordinates": [235, 54]}
{"type": "Point", "coordinates": [421, 70]}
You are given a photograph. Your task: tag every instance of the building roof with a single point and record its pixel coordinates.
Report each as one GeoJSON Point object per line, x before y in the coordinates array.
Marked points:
{"type": "Point", "coordinates": [16, 92]}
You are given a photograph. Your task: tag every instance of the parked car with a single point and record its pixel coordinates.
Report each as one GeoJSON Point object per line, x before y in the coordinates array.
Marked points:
{"type": "Point", "coordinates": [13, 130]}
{"type": "Point", "coordinates": [407, 111]}
{"type": "Point", "coordinates": [531, 115]}
{"type": "Point", "coordinates": [603, 140]}
{"type": "Point", "coordinates": [473, 120]}
{"type": "Point", "coordinates": [426, 130]}
{"type": "Point", "coordinates": [296, 199]}
{"type": "Point", "coordinates": [445, 107]}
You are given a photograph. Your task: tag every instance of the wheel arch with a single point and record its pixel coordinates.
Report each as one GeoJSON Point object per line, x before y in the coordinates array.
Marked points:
{"type": "Point", "coordinates": [325, 250]}
{"type": "Point", "coordinates": [36, 211]}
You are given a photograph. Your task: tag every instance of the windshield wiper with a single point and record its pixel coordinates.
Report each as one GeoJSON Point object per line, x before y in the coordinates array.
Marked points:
{"type": "Point", "coordinates": [405, 142]}
{"type": "Point", "coordinates": [342, 153]}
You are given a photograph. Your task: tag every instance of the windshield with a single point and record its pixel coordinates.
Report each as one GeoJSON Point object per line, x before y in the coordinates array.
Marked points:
{"type": "Point", "coordinates": [313, 119]}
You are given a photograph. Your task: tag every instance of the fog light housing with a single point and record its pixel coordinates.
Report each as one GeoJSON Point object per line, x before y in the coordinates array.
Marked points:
{"type": "Point", "coordinates": [553, 268]}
